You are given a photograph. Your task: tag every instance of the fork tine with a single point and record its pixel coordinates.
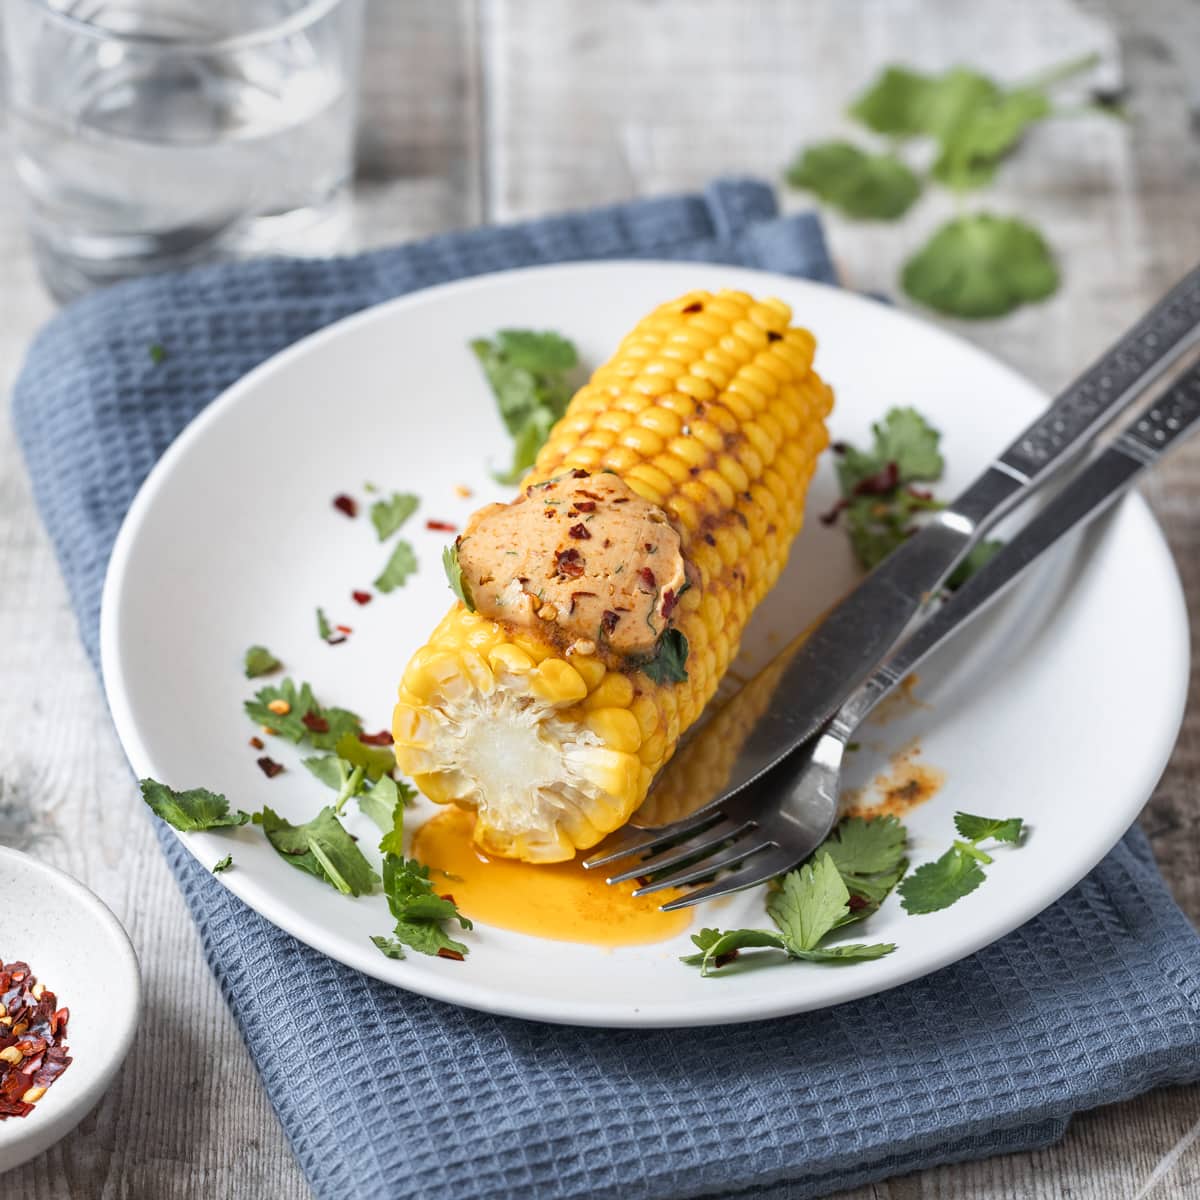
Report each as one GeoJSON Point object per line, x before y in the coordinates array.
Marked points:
{"type": "Point", "coordinates": [640, 840]}
{"type": "Point", "coordinates": [757, 871]}
{"type": "Point", "coordinates": [727, 858]}
{"type": "Point", "coordinates": [672, 856]}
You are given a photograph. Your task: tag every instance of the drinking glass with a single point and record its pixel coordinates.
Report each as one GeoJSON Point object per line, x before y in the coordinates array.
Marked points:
{"type": "Point", "coordinates": [150, 134]}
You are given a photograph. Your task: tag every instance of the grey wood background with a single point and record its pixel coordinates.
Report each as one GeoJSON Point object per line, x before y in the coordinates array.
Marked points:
{"type": "Point", "coordinates": [486, 110]}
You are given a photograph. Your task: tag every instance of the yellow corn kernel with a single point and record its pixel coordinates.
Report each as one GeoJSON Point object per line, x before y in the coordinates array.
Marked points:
{"type": "Point", "coordinates": [557, 682]}
{"type": "Point", "coordinates": [616, 727]}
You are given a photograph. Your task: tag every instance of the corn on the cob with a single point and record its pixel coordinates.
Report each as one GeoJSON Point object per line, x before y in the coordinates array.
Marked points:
{"type": "Point", "coordinates": [710, 411]}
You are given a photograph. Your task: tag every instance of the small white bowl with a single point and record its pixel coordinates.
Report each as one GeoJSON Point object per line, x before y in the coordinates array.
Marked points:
{"type": "Point", "coordinates": [77, 948]}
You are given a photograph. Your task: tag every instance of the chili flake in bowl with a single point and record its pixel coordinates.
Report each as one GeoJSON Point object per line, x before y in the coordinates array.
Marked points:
{"type": "Point", "coordinates": [33, 1039]}
{"type": "Point", "coordinates": [58, 943]}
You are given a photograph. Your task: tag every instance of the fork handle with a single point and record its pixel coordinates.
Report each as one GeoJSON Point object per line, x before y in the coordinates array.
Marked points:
{"type": "Point", "coordinates": [1140, 445]}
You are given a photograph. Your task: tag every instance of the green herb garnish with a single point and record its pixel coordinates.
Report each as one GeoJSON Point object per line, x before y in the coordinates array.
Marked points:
{"type": "Point", "coordinates": [157, 352]}
{"type": "Point", "coordinates": [419, 912]}
{"type": "Point", "coordinates": [322, 848]}
{"type": "Point", "coordinates": [324, 725]}
{"type": "Point", "coordinates": [938, 884]}
{"type": "Point", "coordinates": [882, 507]}
{"type": "Point", "coordinates": [222, 864]}
{"type": "Point", "coordinates": [260, 661]}
{"type": "Point", "coordinates": [981, 266]}
{"type": "Point", "coordinates": [401, 564]}
{"type": "Point", "coordinates": [454, 576]}
{"type": "Point", "coordinates": [190, 811]}
{"type": "Point", "coordinates": [976, 265]}
{"type": "Point", "coordinates": [345, 778]}
{"type": "Point", "coordinates": [859, 184]}
{"type": "Point", "coordinates": [669, 664]}
{"type": "Point", "coordinates": [529, 374]}
{"type": "Point", "coordinates": [324, 629]}
{"type": "Point", "coordinates": [389, 515]}
{"type": "Point", "coordinates": [376, 761]}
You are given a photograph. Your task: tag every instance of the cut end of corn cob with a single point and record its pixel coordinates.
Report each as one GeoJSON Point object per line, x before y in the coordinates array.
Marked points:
{"type": "Point", "coordinates": [711, 414]}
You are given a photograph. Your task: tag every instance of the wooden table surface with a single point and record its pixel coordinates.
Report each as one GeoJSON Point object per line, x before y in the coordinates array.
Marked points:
{"type": "Point", "coordinates": [496, 109]}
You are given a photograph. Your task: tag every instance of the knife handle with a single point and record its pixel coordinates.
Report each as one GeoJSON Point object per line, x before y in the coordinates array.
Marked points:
{"type": "Point", "coordinates": [1078, 414]}
{"type": "Point", "coordinates": [1140, 445]}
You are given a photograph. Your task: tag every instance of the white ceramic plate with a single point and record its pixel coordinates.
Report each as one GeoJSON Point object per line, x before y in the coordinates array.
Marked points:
{"type": "Point", "coordinates": [1062, 707]}
{"type": "Point", "coordinates": [77, 948]}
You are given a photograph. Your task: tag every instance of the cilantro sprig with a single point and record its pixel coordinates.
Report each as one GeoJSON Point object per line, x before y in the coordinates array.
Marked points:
{"type": "Point", "coordinates": [401, 564]}
{"type": "Point", "coordinates": [880, 502]}
{"type": "Point", "coordinates": [454, 576]}
{"type": "Point", "coordinates": [669, 663]}
{"type": "Point", "coordinates": [420, 913]}
{"type": "Point", "coordinates": [389, 515]}
{"type": "Point", "coordinates": [321, 847]}
{"type": "Point", "coordinates": [958, 872]}
{"type": "Point", "coordinates": [977, 264]}
{"type": "Point", "coordinates": [844, 881]}
{"type": "Point", "coordinates": [260, 661]}
{"type": "Point", "coordinates": [530, 376]}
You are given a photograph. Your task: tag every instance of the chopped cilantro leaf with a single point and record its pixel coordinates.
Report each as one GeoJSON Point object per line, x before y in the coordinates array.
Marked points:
{"type": "Point", "coordinates": [419, 912]}
{"type": "Point", "coordinates": [809, 904]}
{"type": "Point", "coordinates": [260, 661]}
{"type": "Point", "coordinates": [334, 771]}
{"type": "Point", "coordinates": [222, 864]}
{"type": "Point", "coordinates": [388, 515]}
{"type": "Point", "coordinates": [324, 726]}
{"type": "Point", "coordinates": [376, 761]}
{"type": "Point", "coordinates": [192, 810]}
{"type": "Point", "coordinates": [322, 848]}
{"type": "Point", "coordinates": [862, 185]}
{"type": "Point", "coordinates": [454, 575]}
{"type": "Point", "coordinates": [382, 799]}
{"type": "Point", "coordinates": [401, 564]}
{"type": "Point", "coordinates": [529, 376]}
{"type": "Point", "coordinates": [324, 629]}
{"type": "Point", "coordinates": [938, 884]}
{"type": "Point", "coordinates": [158, 353]}
{"type": "Point", "coordinates": [669, 664]}
{"type": "Point", "coordinates": [978, 829]}
{"type": "Point", "coordinates": [981, 266]}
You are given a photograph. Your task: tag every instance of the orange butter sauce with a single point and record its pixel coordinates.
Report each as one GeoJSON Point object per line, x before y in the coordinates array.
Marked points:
{"type": "Point", "coordinates": [560, 901]}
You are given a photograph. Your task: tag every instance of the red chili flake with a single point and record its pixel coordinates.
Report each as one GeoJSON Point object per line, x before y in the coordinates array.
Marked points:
{"type": "Point", "coordinates": [609, 620]}
{"type": "Point", "coordinates": [314, 722]}
{"type": "Point", "coordinates": [579, 473]}
{"type": "Point", "coordinates": [647, 577]}
{"type": "Point", "coordinates": [879, 484]}
{"type": "Point", "coordinates": [361, 597]}
{"type": "Point", "coordinates": [382, 738]}
{"type": "Point", "coordinates": [441, 526]}
{"type": "Point", "coordinates": [448, 897]}
{"type": "Point", "coordinates": [585, 506]}
{"type": "Point", "coordinates": [668, 603]}
{"type": "Point", "coordinates": [346, 504]}
{"type": "Point", "coordinates": [828, 518]}
{"type": "Point", "coordinates": [343, 629]}
{"type": "Point", "coordinates": [569, 563]}
{"type": "Point", "coordinates": [335, 641]}
{"type": "Point", "coordinates": [724, 959]}
{"type": "Point", "coordinates": [648, 547]}
{"type": "Point", "coordinates": [694, 307]}
{"type": "Point", "coordinates": [446, 952]}
{"type": "Point", "coordinates": [270, 768]}
{"type": "Point", "coordinates": [579, 532]}
{"type": "Point", "coordinates": [621, 500]}
{"type": "Point", "coordinates": [920, 493]}
{"type": "Point", "coordinates": [549, 512]}
{"type": "Point", "coordinates": [40, 1046]}
{"type": "Point", "coordinates": [772, 336]}
{"type": "Point", "coordinates": [856, 902]}
{"type": "Point", "coordinates": [256, 742]}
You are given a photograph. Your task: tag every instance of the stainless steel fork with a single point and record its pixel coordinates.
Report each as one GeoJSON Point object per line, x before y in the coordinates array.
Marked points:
{"type": "Point", "coordinates": [772, 826]}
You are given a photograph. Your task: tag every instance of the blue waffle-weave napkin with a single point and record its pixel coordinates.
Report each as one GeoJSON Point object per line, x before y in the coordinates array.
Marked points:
{"type": "Point", "coordinates": [1095, 1000]}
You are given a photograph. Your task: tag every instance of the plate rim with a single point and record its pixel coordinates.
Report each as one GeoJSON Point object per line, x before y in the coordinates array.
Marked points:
{"type": "Point", "coordinates": [608, 1014]}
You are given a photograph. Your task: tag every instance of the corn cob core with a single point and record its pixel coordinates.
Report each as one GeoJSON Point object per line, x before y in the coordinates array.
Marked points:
{"type": "Point", "coordinates": [711, 411]}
